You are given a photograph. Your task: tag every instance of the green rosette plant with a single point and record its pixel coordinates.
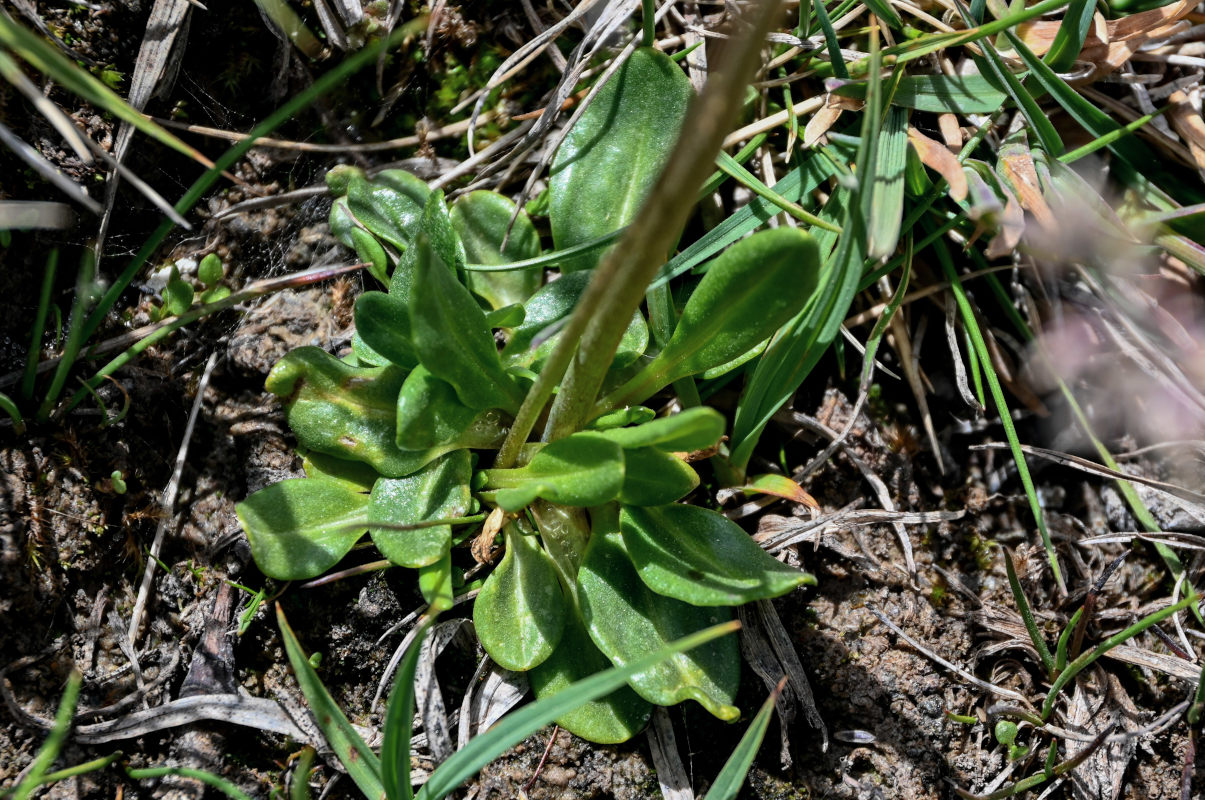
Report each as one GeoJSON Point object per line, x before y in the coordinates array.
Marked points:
{"type": "Point", "coordinates": [602, 562]}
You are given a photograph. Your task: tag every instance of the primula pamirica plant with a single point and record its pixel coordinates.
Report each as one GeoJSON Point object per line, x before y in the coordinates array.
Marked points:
{"type": "Point", "coordinates": [602, 564]}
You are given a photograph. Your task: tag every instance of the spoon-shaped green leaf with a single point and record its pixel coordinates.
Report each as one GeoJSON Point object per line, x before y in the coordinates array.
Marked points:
{"type": "Point", "coordinates": [653, 477]}
{"type": "Point", "coordinates": [383, 323]}
{"type": "Point", "coordinates": [452, 338]}
{"type": "Point", "coordinates": [585, 469]}
{"type": "Point", "coordinates": [627, 620]}
{"type": "Point", "coordinates": [438, 491]}
{"type": "Point", "coordinates": [749, 291]}
{"type": "Point", "coordinates": [388, 204]}
{"type": "Point", "coordinates": [429, 414]}
{"type": "Point", "coordinates": [692, 429]}
{"type": "Point", "coordinates": [301, 527]}
{"type": "Point", "coordinates": [520, 612]}
{"type": "Point", "coordinates": [483, 222]}
{"type": "Point", "coordinates": [701, 557]}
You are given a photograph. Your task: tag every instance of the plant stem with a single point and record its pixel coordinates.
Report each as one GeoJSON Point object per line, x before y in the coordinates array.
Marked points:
{"type": "Point", "coordinates": [619, 283]}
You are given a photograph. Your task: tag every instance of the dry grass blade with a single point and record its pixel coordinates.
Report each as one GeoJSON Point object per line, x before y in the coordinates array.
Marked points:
{"type": "Point", "coordinates": [47, 170]}
{"type": "Point", "coordinates": [30, 214]}
{"type": "Point", "coordinates": [671, 774]}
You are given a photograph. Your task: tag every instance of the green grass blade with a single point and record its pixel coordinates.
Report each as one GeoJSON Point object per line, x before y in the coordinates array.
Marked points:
{"type": "Point", "coordinates": [399, 724]}
{"type": "Point", "coordinates": [361, 763]}
{"type": "Point", "coordinates": [9, 407]}
{"type": "Point", "coordinates": [1087, 659]}
{"type": "Point", "coordinates": [1069, 40]}
{"type": "Point", "coordinates": [1146, 168]}
{"type": "Point", "coordinates": [732, 167]}
{"type": "Point", "coordinates": [1031, 624]}
{"type": "Point", "coordinates": [831, 41]}
{"type": "Point", "coordinates": [1060, 651]}
{"type": "Point", "coordinates": [956, 94]}
{"type": "Point", "coordinates": [208, 778]}
{"type": "Point", "coordinates": [46, 59]}
{"type": "Point", "coordinates": [797, 348]}
{"type": "Point", "coordinates": [736, 768]}
{"type": "Point", "coordinates": [993, 381]}
{"type": "Point", "coordinates": [887, 193]}
{"type": "Point", "coordinates": [50, 748]}
{"type": "Point", "coordinates": [76, 334]}
{"type": "Point", "coordinates": [517, 726]}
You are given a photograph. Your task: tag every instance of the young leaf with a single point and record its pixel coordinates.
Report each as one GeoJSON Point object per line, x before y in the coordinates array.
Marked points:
{"type": "Point", "coordinates": [520, 612]}
{"type": "Point", "coordinates": [452, 339]}
{"type": "Point", "coordinates": [388, 204]}
{"type": "Point", "coordinates": [608, 162]}
{"type": "Point", "coordinates": [301, 527]}
{"type": "Point", "coordinates": [653, 477]}
{"type": "Point", "coordinates": [210, 270]}
{"type": "Point", "coordinates": [585, 469]}
{"type": "Point", "coordinates": [438, 491]}
{"type": "Point", "coordinates": [383, 323]}
{"type": "Point", "coordinates": [344, 411]}
{"type": "Point", "coordinates": [357, 758]}
{"type": "Point", "coordinates": [436, 224]}
{"type": "Point", "coordinates": [482, 220]}
{"type": "Point", "coordinates": [692, 429]}
{"type": "Point", "coordinates": [700, 557]}
{"type": "Point", "coordinates": [429, 414]}
{"type": "Point", "coordinates": [435, 585]}
{"type": "Point", "coordinates": [750, 291]}
{"type": "Point", "coordinates": [626, 620]}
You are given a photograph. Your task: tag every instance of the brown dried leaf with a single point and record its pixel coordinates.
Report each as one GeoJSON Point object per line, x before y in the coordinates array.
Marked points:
{"type": "Point", "coordinates": [951, 132]}
{"type": "Point", "coordinates": [821, 122]}
{"type": "Point", "coordinates": [938, 158]}
{"type": "Point", "coordinates": [1017, 169]}
{"type": "Point", "coordinates": [1187, 121]}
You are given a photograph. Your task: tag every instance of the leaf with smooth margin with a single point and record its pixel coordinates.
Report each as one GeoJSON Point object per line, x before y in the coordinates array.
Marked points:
{"type": "Point", "coordinates": [748, 292]}
{"type": "Point", "coordinates": [520, 612]}
{"type": "Point", "coordinates": [552, 305]}
{"type": "Point", "coordinates": [701, 557]}
{"type": "Point", "coordinates": [301, 527]}
{"type": "Point", "coordinates": [937, 94]}
{"type": "Point", "coordinates": [435, 585]}
{"type": "Point", "coordinates": [518, 725]}
{"type": "Point", "coordinates": [398, 725]}
{"type": "Point", "coordinates": [389, 204]}
{"type": "Point", "coordinates": [482, 220]}
{"type": "Point", "coordinates": [653, 477]}
{"type": "Point", "coordinates": [438, 491]}
{"type": "Point", "coordinates": [888, 188]}
{"type": "Point", "coordinates": [356, 475]}
{"type": "Point", "coordinates": [452, 339]}
{"type": "Point", "coordinates": [357, 758]}
{"type": "Point", "coordinates": [732, 777]}
{"type": "Point", "coordinates": [383, 323]}
{"type": "Point", "coordinates": [606, 165]}
{"type": "Point", "coordinates": [436, 223]}
{"type": "Point", "coordinates": [429, 413]}
{"type": "Point", "coordinates": [344, 411]}
{"type": "Point", "coordinates": [691, 429]}
{"type": "Point", "coordinates": [585, 469]}
{"type": "Point", "coordinates": [626, 620]}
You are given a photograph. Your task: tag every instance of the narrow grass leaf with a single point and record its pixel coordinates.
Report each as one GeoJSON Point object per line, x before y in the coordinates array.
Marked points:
{"type": "Point", "coordinates": [887, 193]}
{"type": "Point", "coordinates": [1031, 625]}
{"type": "Point", "coordinates": [399, 724]}
{"type": "Point", "coordinates": [518, 725]}
{"type": "Point", "coordinates": [363, 766]}
{"type": "Point", "coordinates": [1069, 40]}
{"type": "Point", "coordinates": [49, 751]}
{"type": "Point", "coordinates": [208, 778]}
{"type": "Point", "coordinates": [954, 94]}
{"type": "Point", "coordinates": [732, 777]}
{"type": "Point", "coordinates": [831, 41]}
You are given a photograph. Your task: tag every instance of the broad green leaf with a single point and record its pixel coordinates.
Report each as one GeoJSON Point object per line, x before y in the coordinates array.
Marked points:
{"type": "Point", "coordinates": [701, 557]}
{"type": "Point", "coordinates": [369, 250]}
{"type": "Point", "coordinates": [750, 290]}
{"type": "Point", "coordinates": [585, 469]}
{"type": "Point", "coordinates": [356, 475]}
{"type": "Point", "coordinates": [520, 611]}
{"type": "Point", "coordinates": [511, 316]}
{"type": "Point", "coordinates": [653, 477]}
{"type": "Point", "coordinates": [436, 223]}
{"type": "Point", "coordinates": [177, 295]}
{"type": "Point", "coordinates": [626, 620]}
{"type": "Point", "coordinates": [954, 94]}
{"type": "Point", "coordinates": [301, 527]}
{"type": "Point", "coordinates": [389, 204]}
{"type": "Point", "coordinates": [344, 411]}
{"type": "Point", "coordinates": [398, 724]}
{"type": "Point", "coordinates": [357, 758]}
{"type": "Point", "coordinates": [691, 429]}
{"type": "Point", "coordinates": [552, 305]}
{"type": "Point", "coordinates": [728, 783]}
{"type": "Point", "coordinates": [430, 414]}
{"type": "Point", "coordinates": [452, 339]}
{"type": "Point", "coordinates": [608, 162]}
{"type": "Point", "coordinates": [614, 718]}
{"type": "Point", "coordinates": [518, 725]}
{"type": "Point", "coordinates": [438, 491]}
{"type": "Point", "coordinates": [383, 323]}
{"type": "Point", "coordinates": [435, 585]}
{"type": "Point", "coordinates": [482, 220]}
